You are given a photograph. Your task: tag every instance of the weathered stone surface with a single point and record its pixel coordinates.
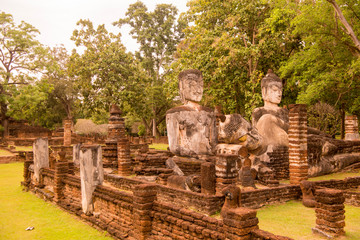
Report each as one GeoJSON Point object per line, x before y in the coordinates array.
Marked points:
{"type": "Point", "coordinates": [271, 121]}
{"type": "Point", "coordinates": [232, 195]}
{"type": "Point", "coordinates": [247, 175]}
{"type": "Point", "coordinates": [308, 189]}
{"type": "Point", "coordinates": [352, 128]}
{"type": "Point", "coordinates": [191, 127]}
{"type": "Point", "coordinates": [91, 174]}
{"type": "Point", "coordinates": [208, 179]}
{"type": "Point", "coordinates": [236, 130]}
{"type": "Point", "coordinates": [190, 183]}
{"type": "Point", "coordinates": [67, 132]}
{"type": "Point", "coordinates": [76, 154]}
{"type": "Point", "coordinates": [41, 155]}
{"type": "Point", "coordinates": [170, 163]}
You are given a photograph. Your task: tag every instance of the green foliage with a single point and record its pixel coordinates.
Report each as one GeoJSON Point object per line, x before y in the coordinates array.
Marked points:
{"type": "Point", "coordinates": [21, 56]}
{"type": "Point", "coordinates": [142, 130]}
{"type": "Point", "coordinates": [327, 67]}
{"type": "Point", "coordinates": [158, 34]}
{"type": "Point", "coordinates": [104, 72]}
{"type": "Point", "coordinates": [324, 117]}
{"type": "Point", "coordinates": [233, 43]}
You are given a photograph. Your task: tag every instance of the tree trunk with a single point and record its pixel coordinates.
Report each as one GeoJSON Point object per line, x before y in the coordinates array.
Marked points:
{"type": "Point", "coordinates": [154, 132]}
{"type": "Point", "coordinates": [342, 123]}
{"type": "Point", "coordinates": [4, 119]}
{"type": "Point", "coordinates": [343, 20]}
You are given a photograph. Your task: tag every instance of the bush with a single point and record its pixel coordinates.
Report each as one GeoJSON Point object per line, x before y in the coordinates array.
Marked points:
{"type": "Point", "coordinates": [324, 117]}
{"type": "Point", "coordinates": [142, 130]}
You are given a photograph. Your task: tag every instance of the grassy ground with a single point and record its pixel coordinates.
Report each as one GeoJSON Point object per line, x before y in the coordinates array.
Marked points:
{"type": "Point", "coordinates": [3, 152]}
{"type": "Point", "coordinates": [19, 210]}
{"type": "Point", "coordinates": [159, 146]}
{"type": "Point", "coordinates": [294, 220]}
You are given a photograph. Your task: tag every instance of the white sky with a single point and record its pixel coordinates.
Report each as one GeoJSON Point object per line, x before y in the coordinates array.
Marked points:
{"type": "Point", "coordinates": [56, 19]}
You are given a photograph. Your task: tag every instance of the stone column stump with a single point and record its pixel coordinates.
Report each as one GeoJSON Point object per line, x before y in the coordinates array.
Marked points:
{"type": "Point", "coordinates": [298, 163]}
{"type": "Point", "coordinates": [239, 222]}
{"type": "Point", "coordinates": [144, 197]}
{"type": "Point", "coordinates": [351, 128]}
{"type": "Point", "coordinates": [225, 171]}
{"type": "Point", "coordinates": [208, 179]}
{"type": "Point", "coordinates": [124, 159]}
{"type": "Point", "coordinates": [67, 132]}
{"type": "Point", "coordinates": [330, 213]}
{"type": "Point", "coordinates": [61, 169]}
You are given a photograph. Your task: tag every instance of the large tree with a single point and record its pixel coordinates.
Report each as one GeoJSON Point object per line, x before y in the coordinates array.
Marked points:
{"type": "Point", "coordinates": [327, 68]}
{"type": "Point", "coordinates": [57, 74]}
{"type": "Point", "coordinates": [20, 58]}
{"type": "Point", "coordinates": [234, 43]}
{"type": "Point", "coordinates": [104, 73]}
{"type": "Point", "coordinates": [158, 33]}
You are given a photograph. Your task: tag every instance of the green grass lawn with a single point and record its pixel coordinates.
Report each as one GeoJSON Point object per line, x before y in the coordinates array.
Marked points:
{"type": "Point", "coordinates": [335, 176]}
{"type": "Point", "coordinates": [159, 146]}
{"type": "Point", "coordinates": [3, 152]}
{"type": "Point", "coordinates": [294, 220]}
{"type": "Point", "coordinates": [23, 148]}
{"type": "Point", "coordinates": [19, 210]}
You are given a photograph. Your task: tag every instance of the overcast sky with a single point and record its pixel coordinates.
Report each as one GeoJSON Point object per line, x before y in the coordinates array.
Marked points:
{"type": "Point", "coordinates": [56, 19]}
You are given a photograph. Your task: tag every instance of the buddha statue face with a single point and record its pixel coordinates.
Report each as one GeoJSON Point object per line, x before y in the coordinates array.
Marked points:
{"type": "Point", "coordinates": [191, 85]}
{"type": "Point", "coordinates": [272, 93]}
{"type": "Point", "coordinates": [271, 89]}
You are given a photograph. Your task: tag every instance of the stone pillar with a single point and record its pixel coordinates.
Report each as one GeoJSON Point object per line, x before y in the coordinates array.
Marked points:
{"type": "Point", "coordinates": [41, 156]}
{"type": "Point", "coordinates": [61, 169]}
{"type": "Point", "coordinates": [91, 174]}
{"type": "Point", "coordinates": [351, 128]}
{"type": "Point", "coordinates": [116, 131]}
{"type": "Point", "coordinates": [124, 159]}
{"type": "Point", "coordinates": [225, 171]}
{"type": "Point", "coordinates": [208, 179]}
{"type": "Point", "coordinates": [144, 197]}
{"type": "Point", "coordinates": [239, 222]}
{"type": "Point", "coordinates": [298, 163]}
{"type": "Point", "coordinates": [67, 132]}
{"type": "Point", "coordinates": [76, 154]}
{"type": "Point", "coordinates": [330, 213]}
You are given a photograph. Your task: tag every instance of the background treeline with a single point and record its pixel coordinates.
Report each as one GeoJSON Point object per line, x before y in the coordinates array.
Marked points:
{"type": "Point", "coordinates": [311, 44]}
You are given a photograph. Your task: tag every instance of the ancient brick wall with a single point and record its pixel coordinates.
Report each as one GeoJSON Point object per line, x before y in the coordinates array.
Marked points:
{"type": "Point", "coordinates": [202, 202]}
{"type": "Point", "coordinates": [260, 197]}
{"type": "Point", "coordinates": [298, 163]}
{"type": "Point", "coordinates": [279, 162]}
{"type": "Point", "coordinates": [352, 198]}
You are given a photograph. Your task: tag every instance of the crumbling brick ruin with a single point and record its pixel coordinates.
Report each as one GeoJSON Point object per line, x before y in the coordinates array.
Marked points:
{"type": "Point", "coordinates": [142, 193]}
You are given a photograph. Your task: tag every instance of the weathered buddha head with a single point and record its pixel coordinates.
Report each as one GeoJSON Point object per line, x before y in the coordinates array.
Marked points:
{"type": "Point", "coordinates": [271, 88]}
{"type": "Point", "coordinates": [191, 85]}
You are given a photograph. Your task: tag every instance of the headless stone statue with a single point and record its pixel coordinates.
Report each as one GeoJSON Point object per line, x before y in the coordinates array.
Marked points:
{"type": "Point", "coordinates": [232, 195]}
{"type": "Point", "coordinates": [191, 127]}
{"type": "Point", "coordinates": [247, 175]}
{"type": "Point", "coordinates": [308, 189]}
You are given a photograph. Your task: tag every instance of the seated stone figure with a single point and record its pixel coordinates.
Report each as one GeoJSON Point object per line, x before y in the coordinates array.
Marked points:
{"type": "Point", "coordinates": [271, 121]}
{"type": "Point", "coordinates": [191, 127]}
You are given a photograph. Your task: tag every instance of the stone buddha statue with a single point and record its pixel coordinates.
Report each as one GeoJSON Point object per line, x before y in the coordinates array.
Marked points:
{"type": "Point", "coordinates": [191, 127]}
{"type": "Point", "coordinates": [271, 121]}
